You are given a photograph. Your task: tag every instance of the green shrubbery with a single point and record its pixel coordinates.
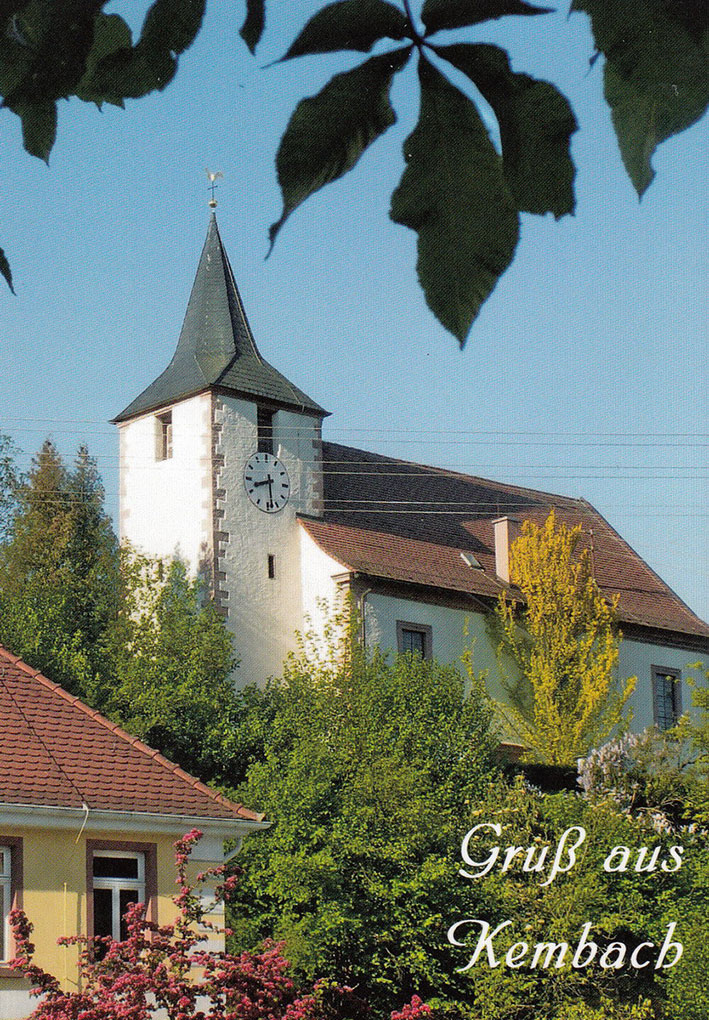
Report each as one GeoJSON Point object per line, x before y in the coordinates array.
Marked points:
{"type": "Point", "coordinates": [373, 770]}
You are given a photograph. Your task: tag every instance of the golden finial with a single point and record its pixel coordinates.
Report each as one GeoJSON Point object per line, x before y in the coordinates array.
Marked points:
{"type": "Point", "coordinates": [213, 175]}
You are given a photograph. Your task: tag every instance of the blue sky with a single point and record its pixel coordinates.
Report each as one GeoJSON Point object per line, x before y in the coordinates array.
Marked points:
{"type": "Point", "coordinates": [585, 373]}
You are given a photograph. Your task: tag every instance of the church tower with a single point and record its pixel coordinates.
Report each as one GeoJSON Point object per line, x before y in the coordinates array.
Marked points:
{"type": "Point", "coordinates": [218, 456]}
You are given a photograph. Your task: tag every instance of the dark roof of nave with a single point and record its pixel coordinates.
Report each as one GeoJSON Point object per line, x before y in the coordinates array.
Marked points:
{"type": "Point", "coordinates": [405, 522]}
{"type": "Point", "coordinates": [216, 347]}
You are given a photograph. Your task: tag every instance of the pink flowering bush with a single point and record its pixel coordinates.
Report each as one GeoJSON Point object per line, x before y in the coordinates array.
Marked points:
{"type": "Point", "coordinates": [163, 968]}
{"type": "Point", "coordinates": [414, 1010]}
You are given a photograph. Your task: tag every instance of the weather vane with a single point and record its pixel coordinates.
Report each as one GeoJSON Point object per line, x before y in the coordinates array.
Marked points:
{"type": "Point", "coordinates": [213, 175]}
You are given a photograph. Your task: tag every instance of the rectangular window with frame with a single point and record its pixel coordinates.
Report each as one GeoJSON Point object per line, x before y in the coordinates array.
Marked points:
{"type": "Point", "coordinates": [666, 696]}
{"type": "Point", "coordinates": [118, 881]}
{"type": "Point", "coordinates": [264, 430]}
{"type": "Point", "coordinates": [5, 899]}
{"type": "Point", "coordinates": [118, 875]}
{"type": "Point", "coordinates": [10, 893]}
{"type": "Point", "coordinates": [414, 638]}
{"type": "Point", "coordinates": [163, 436]}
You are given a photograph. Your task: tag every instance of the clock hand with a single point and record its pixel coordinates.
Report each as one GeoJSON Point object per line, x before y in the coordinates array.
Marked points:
{"type": "Point", "coordinates": [264, 481]}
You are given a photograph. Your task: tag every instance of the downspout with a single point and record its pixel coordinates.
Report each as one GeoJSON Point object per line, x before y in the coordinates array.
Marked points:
{"type": "Point", "coordinates": [362, 613]}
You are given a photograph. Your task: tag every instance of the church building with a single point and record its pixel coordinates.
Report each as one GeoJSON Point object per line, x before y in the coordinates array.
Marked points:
{"type": "Point", "coordinates": [222, 462]}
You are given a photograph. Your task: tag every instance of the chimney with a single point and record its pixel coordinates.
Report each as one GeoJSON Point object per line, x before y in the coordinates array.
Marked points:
{"type": "Point", "coordinates": [507, 529]}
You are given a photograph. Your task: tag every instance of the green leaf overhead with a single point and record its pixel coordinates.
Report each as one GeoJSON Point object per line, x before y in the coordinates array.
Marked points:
{"type": "Point", "coordinates": [128, 74]}
{"type": "Point", "coordinates": [111, 34]}
{"type": "Point", "coordinates": [349, 25]}
{"type": "Point", "coordinates": [52, 70]}
{"type": "Point", "coordinates": [5, 270]}
{"type": "Point", "coordinates": [328, 132]}
{"type": "Point", "coordinates": [656, 73]}
{"type": "Point", "coordinates": [15, 63]}
{"type": "Point", "coordinates": [439, 14]}
{"type": "Point", "coordinates": [536, 124]}
{"type": "Point", "coordinates": [254, 23]}
{"type": "Point", "coordinates": [35, 71]}
{"type": "Point", "coordinates": [8, 7]}
{"type": "Point", "coordinates": [39, 127]}
{"type": "Point", "coordinates": [170, 26]}
{"type": "Point", "coordinates": [454, 194]}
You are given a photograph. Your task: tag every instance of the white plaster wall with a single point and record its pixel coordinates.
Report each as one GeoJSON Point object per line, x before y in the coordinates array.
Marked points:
{"type": "Point", "coordinates": [453, 630]}
{"type": "Point", "coordinates": [319, 593]}
{"type": "Point", "coordinates": [166, 504]}
{"type": "Point", "coordinates": [296, 443]}
{"type": "Point", "coordinates": [637, 659]}
{"type": "Point", "coordinates": [263, 613]}
{"type": "Point", "coordinates": [449, 642]}
{"type": "Point", "coordinates": [16, 1004]}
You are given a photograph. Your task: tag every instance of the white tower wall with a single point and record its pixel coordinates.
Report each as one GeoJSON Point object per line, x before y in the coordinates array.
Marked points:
{"type": "Point", "coordinates": [166, 504]}
{"type": "Point", "coordinates": [262, 612]}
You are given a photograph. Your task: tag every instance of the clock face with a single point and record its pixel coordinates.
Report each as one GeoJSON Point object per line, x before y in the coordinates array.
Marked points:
{"type": "Point", "coordinates": [267, 483]}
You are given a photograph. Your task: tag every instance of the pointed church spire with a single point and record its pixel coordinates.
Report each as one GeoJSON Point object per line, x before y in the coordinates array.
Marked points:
{"type": "Point", "coordinates": [216, 346]}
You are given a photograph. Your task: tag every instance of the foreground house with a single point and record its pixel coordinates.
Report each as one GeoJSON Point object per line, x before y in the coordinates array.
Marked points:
{"type": "Point", "coordinates": [88, 818]}
{"type": "Point", "coordinates": [222, 461]}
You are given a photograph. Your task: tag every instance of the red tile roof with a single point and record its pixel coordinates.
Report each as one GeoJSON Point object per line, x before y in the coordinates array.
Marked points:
{"type": "Point", "coordinates": [55, 751]}
{"type": "Point", "coordinates": [409, 523]}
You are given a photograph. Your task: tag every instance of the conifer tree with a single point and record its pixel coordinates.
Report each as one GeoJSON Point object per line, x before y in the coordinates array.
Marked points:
{"type": "Point", "coordinates": [563, 639]}
{"type": "Point", "coordinates": [133, 636]}
{"type": "Point", "coordinates": [58, 570]}
{"type": "Point", "coordinates": [10, 482]}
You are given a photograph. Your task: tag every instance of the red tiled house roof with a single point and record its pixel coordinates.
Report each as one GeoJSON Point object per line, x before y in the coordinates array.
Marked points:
{"type": "Point", "coordinates": [55, 751]}
{"type": "Point", "coordinates": [409, 523]}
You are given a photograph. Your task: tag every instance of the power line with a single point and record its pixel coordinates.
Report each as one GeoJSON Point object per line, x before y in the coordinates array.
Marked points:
{"type": "Point", "coordinates": [392, 431]}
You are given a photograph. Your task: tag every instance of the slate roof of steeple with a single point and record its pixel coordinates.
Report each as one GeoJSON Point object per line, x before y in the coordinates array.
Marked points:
{"type": "Point", "coordinates": [216, 346]}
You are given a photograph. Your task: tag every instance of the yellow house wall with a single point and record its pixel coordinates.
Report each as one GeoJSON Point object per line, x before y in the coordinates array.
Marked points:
{"type": "Point", "coordinates": [54, 895]}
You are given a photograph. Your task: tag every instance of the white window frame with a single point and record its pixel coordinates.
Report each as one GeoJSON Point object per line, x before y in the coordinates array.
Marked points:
{"type": "Point", "coordinates": [6, 906]}
{"type": "Point", "coordinates": [118, 885]}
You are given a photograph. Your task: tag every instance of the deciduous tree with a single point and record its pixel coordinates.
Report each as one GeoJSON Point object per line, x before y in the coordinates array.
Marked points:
{"type": "Point", "coordinates": [561, 635]}
{"type": "Point", "coordinates": [168, 660]}
{"type": "Point", "coordinates": [370, 767]}
{"type": "Point", "coordinates": [10, 482]}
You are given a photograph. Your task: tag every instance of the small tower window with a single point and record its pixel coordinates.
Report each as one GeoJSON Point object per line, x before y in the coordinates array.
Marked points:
{"type": "Point", "coordinates": [271, 566]}
{"type": "Point", "coordinates": [163, 436]}
{"type": "Point", "coordinates": [264, 430]}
